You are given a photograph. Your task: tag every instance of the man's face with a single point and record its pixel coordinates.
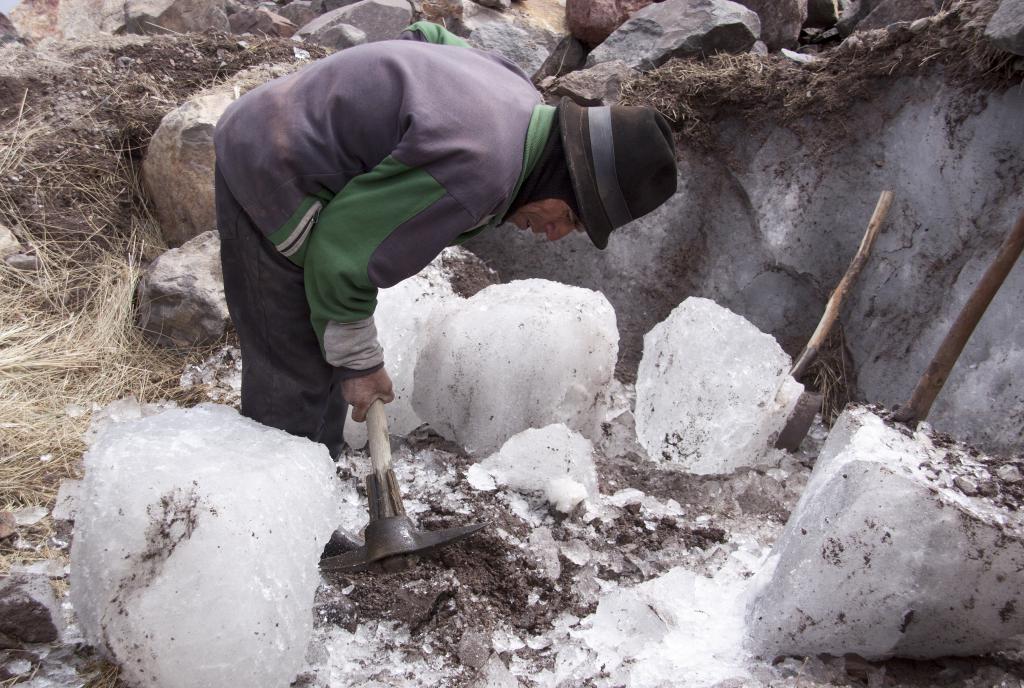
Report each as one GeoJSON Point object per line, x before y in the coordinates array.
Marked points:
{"type": "Point", "coordinates": [550, 217]}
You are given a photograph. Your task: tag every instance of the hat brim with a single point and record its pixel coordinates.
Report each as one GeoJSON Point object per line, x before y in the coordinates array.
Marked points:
{"type": "Point", "coordinates": [574, 126]}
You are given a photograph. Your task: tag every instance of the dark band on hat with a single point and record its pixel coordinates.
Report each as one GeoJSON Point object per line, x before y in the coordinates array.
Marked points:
{"type": "Point", "coordinates": [602, 149]}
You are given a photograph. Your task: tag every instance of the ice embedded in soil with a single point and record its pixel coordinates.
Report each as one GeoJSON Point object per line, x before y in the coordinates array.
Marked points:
{"type": "Point", "coordinates": [712, 390]}
{"type": "Point", "coordinates": [196, 542]}
{"type": "Point", "coordinates": [514, 356]}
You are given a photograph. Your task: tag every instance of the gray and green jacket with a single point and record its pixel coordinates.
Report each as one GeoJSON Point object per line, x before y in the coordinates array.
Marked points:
{"type": "Point", "coordinates": [362, 167]}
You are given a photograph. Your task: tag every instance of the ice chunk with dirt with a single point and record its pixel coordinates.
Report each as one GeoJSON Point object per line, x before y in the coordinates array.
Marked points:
{"type": "Point", "coordinates": [555, 462]}
{"type": "Point", "coordinates": [679, 624]}
{"type": "Point", "coordinates": [402, 314]}
{"type": "Point", "coordinates": [886, 556]}
{"type": "Point", "coordinates": [514, 356]}
{"type": "Point", "coordinates": [196, 547]}
{"type": "Point", "coordinates": [713, 392]}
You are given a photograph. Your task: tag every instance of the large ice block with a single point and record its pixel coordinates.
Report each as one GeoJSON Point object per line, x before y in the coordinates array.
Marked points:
{"type": "Point", "coordinates": [515, 356]}
{"type": "Point", "coordinates": [196, 548]}
{"type": "Point", "coordinates": [885, 555]}
{"type": "Point", "coordinates": [712, 391]}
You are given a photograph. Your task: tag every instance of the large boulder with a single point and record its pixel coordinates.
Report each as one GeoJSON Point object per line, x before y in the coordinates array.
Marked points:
{"type": "Point", "coordinates": [181, 295]}
{"type": "Point", "coordinates": [178, 169]}
{"type": "Point", "coordinates": [679, 28]}
{"type": "Point", "coordinates": [1006, 29]}
{"type": "Point", "coordinates": [768, 229]}
{"type": "Point", "coordinates": [261, 22]}
{"type": "Point", "coordinates": [592, 21]}
{"type": "Point", "coordinates": [528, 47]}
{"type": "Point", "coordinates": [380, 20]}
{"type": "Point", "coordinates": [177, 16]}
{"type": "Point", "coordinates": [891, 11]}
{"type": "Point", "coordinates": [891, 551]}
{"type": "Point", "coordinates": [781, 20]}
{"type": "Point", "coordinates": [299, 12]}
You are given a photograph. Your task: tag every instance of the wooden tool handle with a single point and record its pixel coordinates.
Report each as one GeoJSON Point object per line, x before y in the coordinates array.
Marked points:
{"type": "Point", "coordinates": [380, 445]}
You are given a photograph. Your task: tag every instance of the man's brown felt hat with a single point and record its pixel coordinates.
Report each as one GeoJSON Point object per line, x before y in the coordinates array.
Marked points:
{"type": "Point", "coordinates": [621, 160]}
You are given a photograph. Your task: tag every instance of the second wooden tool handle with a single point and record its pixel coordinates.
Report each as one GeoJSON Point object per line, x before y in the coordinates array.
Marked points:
{"type": "Point", "coordinates": [380, 445]}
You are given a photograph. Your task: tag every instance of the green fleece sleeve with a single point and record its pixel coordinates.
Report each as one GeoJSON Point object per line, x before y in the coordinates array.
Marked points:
{"type": "Point", "coordinates": [349, 229]}
{"type": "Point", "coordinates": [435, 33]}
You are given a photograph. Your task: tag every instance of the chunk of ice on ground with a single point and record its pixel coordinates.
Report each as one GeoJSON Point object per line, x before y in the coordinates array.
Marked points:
{"type": "Point", "coordinates": [196, 548]}
{"type": "Point", "coordinates": [883, 556]}
{"type": "Point", "coordinates": [680, 628]}
{"type": "Point", "coordinates": [553, 461]}
{"type": "Point", "coordinates": [402, 314]}
{"type": "Point", "coordinates": [515, 356]}
{"type": "Point", "coordinates": [712, 391]}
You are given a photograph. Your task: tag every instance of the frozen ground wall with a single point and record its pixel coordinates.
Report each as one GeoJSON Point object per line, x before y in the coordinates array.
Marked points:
{"type": "Point", "coordinates": [768, 226]}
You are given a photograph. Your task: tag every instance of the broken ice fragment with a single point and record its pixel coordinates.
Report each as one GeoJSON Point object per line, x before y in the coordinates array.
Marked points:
{"type": "Point", "coordinates": [712, 390]}
{"type": "Point", "coordinates": [879, 561]}
{"type": "Point", "coordinates": [554, 461]}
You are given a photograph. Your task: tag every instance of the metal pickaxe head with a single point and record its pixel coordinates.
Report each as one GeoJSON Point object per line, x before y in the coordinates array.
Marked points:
{"type": "Point", "coordinates": [391, 541]}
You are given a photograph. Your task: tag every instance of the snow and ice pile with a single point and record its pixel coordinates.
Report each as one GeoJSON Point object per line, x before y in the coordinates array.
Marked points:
{"type": "Point", "coordinates": [515, 356]}
{"type": "Point", "coordinates": [712, 390]}
{"type": "Point", "coordinates": [553, 461]}
{"type": "Point", "coordinates": [402, 314]}
{"type": "Point", "coordinates": [885, 555]}
{"type": "Point", "coordinates": [678, 628]}
{"type": "Point", "coordinates": [196, 548]}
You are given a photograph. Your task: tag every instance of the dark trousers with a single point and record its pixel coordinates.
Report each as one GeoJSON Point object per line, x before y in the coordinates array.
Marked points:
{"type": "Point", "coordinates": [286, 383]}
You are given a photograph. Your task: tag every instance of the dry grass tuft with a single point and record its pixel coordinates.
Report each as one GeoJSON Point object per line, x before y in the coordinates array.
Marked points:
{"type": "Point", "coordinates": [692, 92]}
{"type": "Point", "coordinates": [831, 373]}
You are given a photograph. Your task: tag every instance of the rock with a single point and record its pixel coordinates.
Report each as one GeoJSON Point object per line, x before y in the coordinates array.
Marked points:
{"type": "Point", "coordinates": [29, 611]}
{"type": "Point", "coordinates": [495, 674]}
{"type": "Point", "coordinates": [181, 295]}
{"type": "Point", "coordinates": [8, 242]}
{"type": "Point", "coordinates": [298, 12]}
{"type": "Point", "coordinates": [177, 16]}
{"type": "Point", "coordinates": [592, 21]}
{"type": "Point", "coordinates": [331, 5]}
{"type": "Point", "coordinates": [568, 56]}
{"type": "Point", "coordinates": [339, 37]}
{"type": "Point", "coordinates": [679, 28]}
{"type": "Point", "coordinates": [380, 20]}
{"type": "Point", "coordinates": [30, 515]}
{"type": "Point", "coordinates": [261, 22]}
{"type": "Point", "coordinates": [880, 561]}
{"type": "Point", "coordinates": [8, 526]}
{"type": "Point", "coordinates": [1006, 29]}
{"type": "Point", "coordinates": [527, 47]}
{"type": "Point", "coordinates": [598, 85]}
{"type": "Point", "coordinates": [473, 16]}
{"type": "Point", "coordinates": [822, 14]}
{"type": "Point", "coordinates": [853, 12]}
{"type": "Point", "coordinates": [26, 262]}
{"type": "Point", "coordinates": [1009, 474]}
{"type": "Point", "coordinates": [178, 168]}
{"type": "Point", "coordinates": [966, 485]}
{"type": "Point", "coordinates": [781, 20]}
{"type": "Point", "coordinates": [8, 33]}
{"type": "Point", "coordinates": [889, 12]}
{"type": "Point", "coordinates": [496, 4]}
